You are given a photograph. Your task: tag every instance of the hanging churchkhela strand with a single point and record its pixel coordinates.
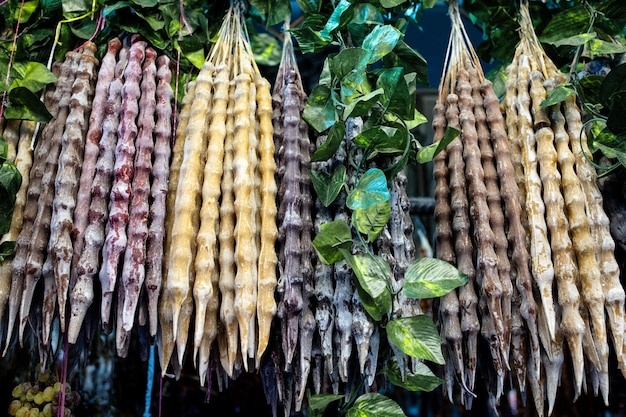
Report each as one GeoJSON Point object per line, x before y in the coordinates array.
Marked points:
{"type": "Point", "coordinates": [220, 259]}
{"type": "Point", "coordinates": [477, 208]}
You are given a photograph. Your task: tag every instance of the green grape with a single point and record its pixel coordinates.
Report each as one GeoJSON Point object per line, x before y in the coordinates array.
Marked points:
{"type": "Point", "coordinates": [18, 391]}
{"type": "Point", "coordinates": [30, 395]}
{"type": "Point", "coordinates": [14, 406]}
{"type": "Point", "coordinates": [57, 386]}
{"type": "Point", "coordinates": [48, 394]}
{"type": "Point", "coordinates": [47, 410]}
{"type": "Point", "coordinates": [44, 376]}
{"type": "Point", "coordinates": [23, 412]}
{"type": "Point", "coordinates": [39, 398]}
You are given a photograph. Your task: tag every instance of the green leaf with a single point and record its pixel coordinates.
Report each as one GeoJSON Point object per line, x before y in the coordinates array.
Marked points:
{"type": "Point", "coordinates": [558, 95]}
{"type": "Point", "coordinates": [431, 278]}
{"type": "Point", "coordinates": [10, 180]}
{"type": "Point", "coordinates": [266, 49]}
{"type": "Point", "coordinates": [372, 273]}
{"type": "Point", "coordinates": [375, 405]}
{"type": "Point", "coordinates": [192, 49]}
{"type": "Point", "coordinates": [362, 105]}
{"type": "Point", "coordinates": [72, 8]}
{"type": "Point", "coordinates": [372, 220]}
{"type": "Point", "coordinates": [27, 106]}
{"type": "Point", "coordinates": [7, 248]}
{"type": "Point", "coordinates": [152, 21]}
{"type": "Point", "coordinates": [382, 40]}
{"type": "Point", "coordinates": [331, 144]}
{"type": "Point", "coordinates": [589, 89]}
{"type": "Point", "coordinates": [145, 3]}
{"type": "Point", "coordinates": [382, 139]}
{"type": "Point", "coordinates": [427, 153]}
{"type": "Point", "coordinates": [429, 4]}
{"type": "Point", "coordinates": [327, 187]}
{"type": "Point", "coordinates": [417, 119]}
{"type": "Point", "coordinates": [417, 337]}
{"type": "Point", "coordinates": [598, 47]}
{"type": "Point", "coordinates": [32, 75]}
{"type": "Point", "coordinates": [498, 78]}
{"type": "Point", "coordinates": [279, 10]}
{"type": "Point", "coordinates": [403, 100]}
{"type": "Point", "coordinates": [4, 149]}
{"type": "Point", "coordinates": [319, 403]}
{"type": "Point", "coordinates": [614, 81]}
{"type": "Point", "coordinates": [365, 16]}
{"type": "Point", "coordinates": [348, 60]}
{"type": "Point", "coordinates": [84, 28]}
{"type": "Point", "coordinates": [566, 23]}
{"type": "Point", "coordinates": [388, 81]}
{"type": "Point", "coordinates": [388, 4]}
{"type": "Point", "coordinates": [576, 40]}
{"type": "Point", "coordinates": [319, 111]}
{"type": "Point", "coordinates": [411, 61]}
{"type": "Point", "coordinates": [113, 7]}
{"type": "Point", "coordinates": [371, 189]}
{"type": "Point", "coordinates": [309, 40]}
{"type": "Point", "coordinates": [331, 239]}
{"type": "Point", "coordinates": [422, 379]}
{"type": "Point", "coordinates": [342, 14]}
{"type": "Point", "coordinates": [28, 9]}
{"type": "Point", "coordinates": [616, 121]}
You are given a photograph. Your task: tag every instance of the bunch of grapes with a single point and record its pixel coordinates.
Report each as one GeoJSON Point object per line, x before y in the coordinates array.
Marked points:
{"type": "Point", "coordinates": [42, 398]}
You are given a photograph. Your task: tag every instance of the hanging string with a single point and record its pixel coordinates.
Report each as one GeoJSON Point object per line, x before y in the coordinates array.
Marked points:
{"type": "Point", "coordinates": [13, 48]}
{"type": "Point", "coordinates": [149, 382]}
{"type": "Point", "coordinates": [64, 361]}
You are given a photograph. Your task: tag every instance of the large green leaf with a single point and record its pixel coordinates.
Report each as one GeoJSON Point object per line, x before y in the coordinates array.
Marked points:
{"type": "Point", "coordinates": [365, 16]}
{"type": "Point", "coordinates": [598, 47]}
{"type": "Point", "coordinates": [616, 121]}
{"type": "Point", "coordinates": [421, 379]}
{"type": "Point", "coordinates": [372, 220]}
{"type": "Point", "coordinates": [331, 239]}
{"type": "Point", "coordinates": [331, 144]}
{"type": "Point", "coordinates": [372, 273]}
{"type": "Point", "coordinates": [266, 48]}
{"type": "Point", "coordinates": [319, 111]}
{"type": "Point", "coordinates": [614, 81]}
{"type": "Point", "coordinates": [341, 15]}
{"type": "Point", "coordinates": [388, 80]}
{"type": "Point", "coordinates": [371, 189]}
{"type": "Point", "coordinates": [427, 153]}
{"type": "Point", "coordinates": [375, 405]}
{"type": "Point", "coordinates": [412, 61]}
{"type": "Point", "coordinates": [4, 149]}
{"type": "Point", "coordinates": [73, 8]}
{"type": "Point", "coordinates": [430, 278]}
{"type": "Point", "coordinates": [589, 89]}
{"type": "Point", "coordinates": [566, 23]}
{"type": "Point", "coordinates": [279, 10]}
{"type": "Point", "coordinates": [576, 40]}
{"type": "Point", "coordinates": [417, 337]}
{"type": "Point", "coordinates": [381, 41]}
{"type": "Point", "coordinates": [31, 75]}
{"type": "Point", "coordinates": [24, 104]}
{"type": "Point", "coordinates": [327, 187]}
{"type": "Point", "coordinates": [317, 404]}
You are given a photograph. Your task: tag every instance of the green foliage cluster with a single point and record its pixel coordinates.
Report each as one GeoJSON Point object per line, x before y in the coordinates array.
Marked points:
{"type": "Point", "coordinates": [374, 75]}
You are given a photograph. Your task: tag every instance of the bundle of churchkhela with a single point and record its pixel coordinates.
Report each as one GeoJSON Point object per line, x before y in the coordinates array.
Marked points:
{"type": "Point", "coordinates": [324, 340]}
{"type": "Point", "coordinates": [478, 220]}
{"type": "Point", "coordinates": [89, 187]}
{"type": "Point", "coordinates": [555, 277]}
{"type": "Point", "coordinates": [568, 230]}
{"type": "Point", "coordinates": [221, 213]}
